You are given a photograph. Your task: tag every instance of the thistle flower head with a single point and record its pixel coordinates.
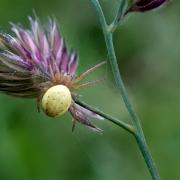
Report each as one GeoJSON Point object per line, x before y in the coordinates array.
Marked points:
{"type": "Point", "coordinates": [35, 63]}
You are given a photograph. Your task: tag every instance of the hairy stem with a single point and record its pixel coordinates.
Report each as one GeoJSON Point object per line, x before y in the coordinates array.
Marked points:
{"type": "Point", "coordinates": [139, 135]}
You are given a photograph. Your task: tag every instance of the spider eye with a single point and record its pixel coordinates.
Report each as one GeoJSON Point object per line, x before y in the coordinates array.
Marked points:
{"type": "Point", "coordinates": [56, 100]}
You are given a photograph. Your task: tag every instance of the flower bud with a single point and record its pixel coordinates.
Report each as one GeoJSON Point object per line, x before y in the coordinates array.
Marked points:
{"type": "Point", "coordinates": [146, 5]}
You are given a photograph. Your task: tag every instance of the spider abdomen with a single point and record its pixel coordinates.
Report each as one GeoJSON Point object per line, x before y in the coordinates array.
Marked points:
{"type": "Point", "coordinates": [56, 100]}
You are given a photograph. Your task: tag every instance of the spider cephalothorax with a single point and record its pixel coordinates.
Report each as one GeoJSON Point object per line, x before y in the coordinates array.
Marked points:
{"type": "Point", "coordinates": [36, 64]}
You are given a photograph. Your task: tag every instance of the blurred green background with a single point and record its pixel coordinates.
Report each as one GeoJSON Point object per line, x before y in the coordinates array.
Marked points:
{"type": "Point", "coordinates": [35, 147]}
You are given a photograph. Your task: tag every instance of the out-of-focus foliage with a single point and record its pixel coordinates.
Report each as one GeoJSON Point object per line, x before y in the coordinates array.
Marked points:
{"type": "Point", "coordinates": [35, 147]}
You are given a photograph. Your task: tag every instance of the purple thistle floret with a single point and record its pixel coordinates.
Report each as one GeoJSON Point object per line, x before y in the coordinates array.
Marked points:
{"type": "Point", "coordinates": [146, 5]}
{"type": "Point", "coordinates": [32, 61]}
{"type": "Point", "coordinates": [40, 50]}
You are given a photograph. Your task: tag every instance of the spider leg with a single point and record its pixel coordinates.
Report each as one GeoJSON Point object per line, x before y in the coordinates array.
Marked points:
{"type": "Point", "coordinates": [88, 84]}
{"type": "Point", "coordinates": [74, 125]}
{"type": "Point", "coordinates": [43, 88]}
{"type": "Point", "coordinates": [83, 75]}
{"type": "Point", "coordinates": [39, 104]}
{"type": "Point", "coordinates": [76, 95]}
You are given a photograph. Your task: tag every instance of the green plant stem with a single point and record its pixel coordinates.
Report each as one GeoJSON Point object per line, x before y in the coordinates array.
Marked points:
{"type": "Point", "coordinates": [114, 120]}
{"type": "Point", "coordinates": [139, 135]}
{"type": "Point", "coordinates": [119, 16]}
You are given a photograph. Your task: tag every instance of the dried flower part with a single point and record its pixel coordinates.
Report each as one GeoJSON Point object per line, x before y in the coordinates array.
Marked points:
{"type": "Point", "coordinates": [146, 5]}
{"type": "Point", "coordinates": [82, 115]}
{"type": "Point", "coordinates": [35, 63]}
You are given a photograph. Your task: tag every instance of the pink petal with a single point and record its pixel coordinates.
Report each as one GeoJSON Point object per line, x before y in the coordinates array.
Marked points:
{"type": "Point", "coordinates": [88, 113]}
{"type": "Point", "coordinates": [73, 63]}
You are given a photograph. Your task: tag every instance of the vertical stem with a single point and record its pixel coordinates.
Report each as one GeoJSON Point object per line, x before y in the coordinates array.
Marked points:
{"type": "Point", "coordinates": [147, 157]}
{"type": "Point", "coordinates": [135, 120]}
{"type": "Point", "coordinates": [118, 79]}
{"type": "Point", "coordinates": [139, 135]}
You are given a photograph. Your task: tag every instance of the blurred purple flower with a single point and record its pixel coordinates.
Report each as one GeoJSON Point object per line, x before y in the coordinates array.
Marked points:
{"type": "Point", "coordinates": [146, 5]}
{"type": "Point", "coordinates": [34, 60]}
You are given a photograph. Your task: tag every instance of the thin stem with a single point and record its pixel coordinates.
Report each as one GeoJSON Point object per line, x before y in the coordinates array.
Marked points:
{"type": "Point", "coordinates": [119, 16]}
{"type": "Point", "coordinates": [119, 82]}
{"type": "Point", "coordinates": [147, 157]}
{"type": "Point", "coordinates": [108, 35]}
{"type": "Point", "coordinates": [114, 120]}
{"type": "Point", "coordinates": [100, 14]}
{"type": "Point", "coordinates": [135, 119]}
